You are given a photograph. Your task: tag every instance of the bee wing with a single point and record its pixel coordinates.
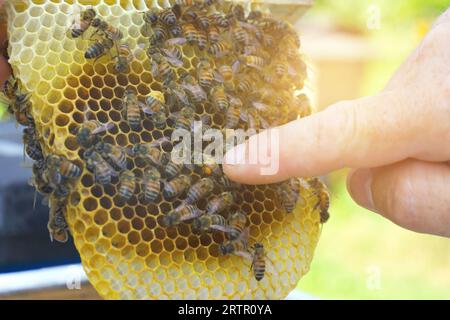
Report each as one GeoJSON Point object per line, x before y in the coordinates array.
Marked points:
{"type": "Point", "coordinates": [197, 213]}
{"type": "Point", "coordinates": [154, 68]}
{"type": "Point", "coordinates": [172, 58]}
{"type": "Point", "coordinates": [264, 123]}
{"type": "Point", "coordinates": [195, 88]}
{"type": "Point", "coordinates": [244, 254]}
{"type": "Point", "coordinates": [181, 95]}
{"type": "Point", "coordinates": [236, 66]}
{"type": "Point", "coordinates": [111, 170]}
{"type": "Point", "coordinates": [244, 116]}
{"type": "Point", "coordinates": [225, 229]}
{"type": "Point", "coordinates": [218, 77]}
{"type": "Point", "coordinates": [260, 106]}
{"type": "Point", "coordinates": [159, 141]}
{"type": "Point", "coordinates": [248, 26]}
{"type": "Point", "coordinates": [176, 41]}
{"type": "Point", "coordinates": [104, 127]}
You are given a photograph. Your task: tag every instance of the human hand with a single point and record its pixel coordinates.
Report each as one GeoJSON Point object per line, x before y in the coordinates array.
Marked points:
{"type": "Point", "coordinates": [5, 70]}
{"type": "Point", "coordinates": [398, 139]}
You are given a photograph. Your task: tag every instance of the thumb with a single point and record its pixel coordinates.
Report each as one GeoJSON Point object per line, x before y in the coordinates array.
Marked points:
{"type": "Point", "coordinates": [367, 132]}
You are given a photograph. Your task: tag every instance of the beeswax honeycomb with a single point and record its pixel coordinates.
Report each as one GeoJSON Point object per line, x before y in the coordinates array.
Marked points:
{"type": "Point", "coordinates": [125, 250]}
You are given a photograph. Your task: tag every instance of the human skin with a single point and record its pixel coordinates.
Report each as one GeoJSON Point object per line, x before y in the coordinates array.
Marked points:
{"type": "Point", "coordinates": [397, 141]}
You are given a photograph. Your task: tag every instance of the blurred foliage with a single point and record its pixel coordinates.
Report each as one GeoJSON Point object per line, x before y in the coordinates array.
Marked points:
{"type": "Point", "coordinates": [352, 14]}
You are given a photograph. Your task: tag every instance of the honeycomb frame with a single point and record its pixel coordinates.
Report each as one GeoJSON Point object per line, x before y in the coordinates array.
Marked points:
{"type": "Point", "coordinates": [124, 250]}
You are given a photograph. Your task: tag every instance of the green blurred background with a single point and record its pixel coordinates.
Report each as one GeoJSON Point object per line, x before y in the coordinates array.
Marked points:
{"type": "Point", "coordinates": [354, 47]}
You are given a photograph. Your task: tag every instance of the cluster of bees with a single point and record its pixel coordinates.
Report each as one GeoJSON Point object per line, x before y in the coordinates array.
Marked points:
{"type": "Point", "coordinates": [238, 74]}
{"type": "Point", "coordinates": [53, 175]}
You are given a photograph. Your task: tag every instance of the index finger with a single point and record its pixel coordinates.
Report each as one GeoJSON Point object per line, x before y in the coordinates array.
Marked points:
{"type": "Point", "coordinates": [367, 132]}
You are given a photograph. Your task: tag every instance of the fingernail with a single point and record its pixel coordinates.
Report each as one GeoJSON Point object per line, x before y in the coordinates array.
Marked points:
{"type": "Point", "coordinates": [236, 155]}
{"type": "Point", "coordinates": [360, 188]}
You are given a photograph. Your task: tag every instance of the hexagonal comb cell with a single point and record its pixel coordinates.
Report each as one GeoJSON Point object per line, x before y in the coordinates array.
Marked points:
{"type": "Point", "coordinates": [106, 92]}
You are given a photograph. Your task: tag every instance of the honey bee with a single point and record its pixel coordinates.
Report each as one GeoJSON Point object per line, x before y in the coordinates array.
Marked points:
{"type": "Point", "coordinates": [176, 186]}
{"type": "Point", "coordinates": [151, 16]}
{"type": "Point", "coordinates": [185, 3]}
{"type": "Point", "coordinates": [98, 49]}
{"type": "Point", "coordinates": [39, 180]}
{"type": "Point", "coordinates": [238, 12]}
{"type": "Point", "coordinates": [233, 113]}
{"type": "Point", "coordinates": [151, 184]}
{"type": "Point", "coordinates": [289, 195]}
{"type": "Point", "coordinates": [172, 169]}
{"type": "Point", "coordinates": [124, 58]}
{"type": "Point", "coordinates": [110, 32]}
{"type": "Point", "coordinates": [219, 98]}
{"type": "Point", "coordinates": [245, 84]}
{"type": "Point", "coordinates": [102, 170]}
{"type": "Point", "coordinates": [237, 246]}
{"type": "Point", "coordinates": [127, 184]}
{"type": "Point", "coordinates": [132, 108]}
{"type": "Point", "coordinates": [181, 214]}
{"type": "Point", "coordinates": [259, 261]}
{"type": "Point", "coordinates": [159, 119]}
{"type": "Point", "coordinates": [63, 166]}
{"type": "Point", "coordinates": [195, 91]}
{"type": "Point", "coordinates": [220, 203]}
{"type": "Point", "coordinates": [201, 189]}
{"type": "Point", "coordinates": [149, 152]}
{"type": "Point", "coordinates": [202, 40]}
{"type": "Point", "coordinates": [159, 35]}
{"type": "Point", "coordinates": [220, 20]}
{"type": "Point", "coordinates": [184, 119]}
{"type": "Point", "coordinates": [302, 104]}
{"type": "Point", "coordinates": [87, 133]}
{"type": "Point", "coordinates": [168, 17]}
{"type": "Point", "coordinates": [209, 166]}
{"type": "Point", "coordinates": [205, 74]}
{"type": "Point", "coordinates": [86, 18]}
{"type": "Point", "coordinates": [209, 223]}
{"type": "Point", "coordinates": [115, 155]}
{"type": "Point", "coordinates": [10, 87]}
{"type": "Point", "coordinates": [155, 103]}
{"type": "Point", "coordinates": [164, 71]}
{"type": "Point", "coordinates": [176, 95]}
{"type": "Point", "coordinates": [57, 224]}
{"type": "Point", "coordinates": [226, 183]}
{"type": "Point", "coordinates": [176, 31]}
{"type": "Point", "coordinates": [239, 34]}
{"type": "Point", "coordinates": [213, 34]}
{"type": "Point", "coordinates": [202, 21]}
{"type": "Point", "coordinates": [236, 224]}
{"type": "Point", "coordinates": [323, 201]}
{"type": "Point", "coordinates": [190, 33]}
{"type": "Point", "coordinates": [219, 49]}
{"type": "Point", "coordinates": [255, 62]}
{"type": "Point", "coordinates": [32, 147]}
{"type": "Point", "coordinates": [173, 55]}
